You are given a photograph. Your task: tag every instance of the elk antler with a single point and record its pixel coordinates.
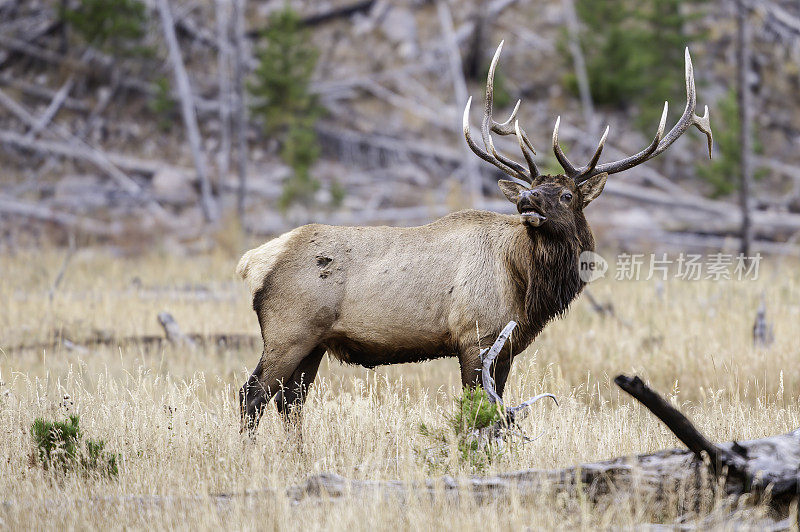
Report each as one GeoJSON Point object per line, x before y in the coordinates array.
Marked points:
{"type": "Point", "coordinates": [510, 127]}
{"type": "Point", "coordinates": [659, 144]}
{"type": "Point", "coordinates": [488, 355]}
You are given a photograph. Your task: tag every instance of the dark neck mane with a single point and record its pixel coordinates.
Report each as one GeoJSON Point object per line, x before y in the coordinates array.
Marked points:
{"type": "Point", "coordinates": [553, 281]}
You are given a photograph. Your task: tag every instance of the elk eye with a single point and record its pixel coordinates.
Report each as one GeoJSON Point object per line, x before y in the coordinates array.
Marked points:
{"type": "Point", "coordinates": [566, 197]}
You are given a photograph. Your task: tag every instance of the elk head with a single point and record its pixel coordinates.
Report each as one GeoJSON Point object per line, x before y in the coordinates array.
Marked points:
{"type": "Point", "coordinates": [556, 202]}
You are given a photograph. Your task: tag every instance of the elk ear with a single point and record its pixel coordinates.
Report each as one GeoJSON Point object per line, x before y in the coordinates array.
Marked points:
{"type": "Point", "coordinates": [511, 189]}
{"type": "Point", "coordinates": [592, 187]}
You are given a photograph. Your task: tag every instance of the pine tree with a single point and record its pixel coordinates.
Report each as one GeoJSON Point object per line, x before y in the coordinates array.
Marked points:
{"type": "Point", "coordinates": [284, 104]}
{"type": "Point", "coordinates": [114, 25]}
{"type": "Point", "coordinates": [634, 52]}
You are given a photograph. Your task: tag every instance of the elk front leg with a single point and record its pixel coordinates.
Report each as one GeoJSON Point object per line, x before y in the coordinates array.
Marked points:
{"type": "Point", "coordinates": [470, 362]}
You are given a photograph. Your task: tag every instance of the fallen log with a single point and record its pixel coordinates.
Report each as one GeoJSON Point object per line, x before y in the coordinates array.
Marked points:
{"type": "Point", "coordinates": [43, 93]}
{"type": "Point", "coordinates": [205, 341]}
{"type": "Point", "coordinates": [39, 212]}
{"type": "Point", "coordinates": [767, 467]}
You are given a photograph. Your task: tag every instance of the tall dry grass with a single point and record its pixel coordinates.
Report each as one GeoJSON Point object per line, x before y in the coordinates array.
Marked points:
{"type": "Point", "coordinates": [171, 412]}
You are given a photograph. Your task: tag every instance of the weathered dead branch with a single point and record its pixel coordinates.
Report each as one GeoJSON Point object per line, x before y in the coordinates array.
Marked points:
{"type": "Point", "coordinates": [172, 331]}
{"type": "Point", "coordinates": [766, 467]}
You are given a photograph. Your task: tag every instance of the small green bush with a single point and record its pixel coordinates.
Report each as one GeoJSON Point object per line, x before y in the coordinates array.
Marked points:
{"type": "Point", "coordinates": [161, 104]}
{"type": "Point", "coordinates": [473, 412]}
{"type": "Point", "coordinates": [58, 446]}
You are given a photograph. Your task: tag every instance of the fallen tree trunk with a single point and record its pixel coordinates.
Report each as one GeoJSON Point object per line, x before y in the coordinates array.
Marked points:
{"type": "Point", "coordinates": [38, 212]}
{"type": "Point", "coordinates": [767, 467]}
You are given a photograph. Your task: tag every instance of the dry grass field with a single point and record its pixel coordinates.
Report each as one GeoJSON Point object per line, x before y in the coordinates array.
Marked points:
{"type": "Point", "coordinates": [171, 414]}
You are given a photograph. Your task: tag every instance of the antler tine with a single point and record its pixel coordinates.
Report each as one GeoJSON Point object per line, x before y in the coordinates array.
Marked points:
{"type": "Point", "coordinates": [512, 173]}
{"type": "Point", "coordinates": [489, 124]}
{"type": "Point", "coordinates": [477, 149]}
{"type": "Point", "coordinates": [490, 154]}
{"type": "Point", "coordinates": [587, 170]}
{"type": "Point", "coordinates": [633, 160]}
{"type": "Point", "coordinates": [569, 169]}
{"type": "Point", "coordinates": [662, 142]}
{"type": "Point", "coordinates": [522, 138]}
{"type": "Point", "coordinates": [689, 118]}
{"type": "Point", "coordinates": [507, 127]}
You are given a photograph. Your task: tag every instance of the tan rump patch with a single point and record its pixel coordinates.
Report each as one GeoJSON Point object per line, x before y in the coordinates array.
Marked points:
{"type": "Point", "coordinates": [254, 265]}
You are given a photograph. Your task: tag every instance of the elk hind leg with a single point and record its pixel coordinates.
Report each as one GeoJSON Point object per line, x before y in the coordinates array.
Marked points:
{"type": "Point", "coordinates": [290, 398]}
{"type": "Point", "coordinates": [275, 369]}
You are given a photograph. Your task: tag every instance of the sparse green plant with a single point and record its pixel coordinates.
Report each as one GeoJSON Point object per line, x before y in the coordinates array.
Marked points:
{"type": "Point", "coordinates": [162, 104]}
{"type": "Point", "coordinates": [473, 412]}
{"type": "Point", "coordinates": [58, 447]}
{"type": "Point", "coordinates": [115, 25]}
{"type": "Point", "coordinates": [338, 192]}
{"type": "Point", "coordinates": [284, 102]}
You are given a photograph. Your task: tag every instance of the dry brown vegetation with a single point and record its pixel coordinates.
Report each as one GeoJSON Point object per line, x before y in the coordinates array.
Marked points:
{"type": "Point", "coordinates": [171, 412]}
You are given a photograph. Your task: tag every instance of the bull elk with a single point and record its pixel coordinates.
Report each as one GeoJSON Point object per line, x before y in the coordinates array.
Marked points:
{"type": "Point", "coordinates": [388, 295]}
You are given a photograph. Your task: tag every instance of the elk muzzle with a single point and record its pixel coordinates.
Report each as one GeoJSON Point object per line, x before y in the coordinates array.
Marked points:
{"type": "Point", "coordinates": [531, 207]}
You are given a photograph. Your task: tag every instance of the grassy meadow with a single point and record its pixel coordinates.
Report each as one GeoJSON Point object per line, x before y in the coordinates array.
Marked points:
{"type": "Point", "coordinates": [171, 412]}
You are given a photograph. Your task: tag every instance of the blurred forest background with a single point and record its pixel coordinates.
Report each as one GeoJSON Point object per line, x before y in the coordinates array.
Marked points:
{"type": "Point", "coordinates": [189, 123]}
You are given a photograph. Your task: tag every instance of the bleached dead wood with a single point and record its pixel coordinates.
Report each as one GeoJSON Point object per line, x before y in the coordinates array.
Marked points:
{"type": "Point", "coordinates": [11, 206]}
{"type": "Point", "coordinates": [63, 269]}
{"type": "Point", "coordinates": [762, 329]}
{"type": "Point", "coordinates": [224, 80]}
{"type": "Point", "coordinates": [470, 164]}
{"type": "Point", "coordinates": [86, 152]}
{"type": "Point", "coordinates": [579, 63]}
{"type": "Point", "coordinates": [767, 466]}
{"type": "Point", "coordinates": [745, 110]}
{"type": "Point", "coordinates": [144, 167]}
{"type": "Point", "coordinates": [172, 331]}
{"type": "Point", "coordinates": [188, 110]}
{"type": "Point", "coordinates": [50, 113]}
{"type": "Point", "coordinates": [42, 93]}
{"type": "Point", "coordinates": [240, 107]}
{"type": "Point", "coordinates": [512, 414]}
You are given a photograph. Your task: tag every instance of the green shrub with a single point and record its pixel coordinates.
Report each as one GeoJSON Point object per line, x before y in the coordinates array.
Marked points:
{"type": "Point", "coordinates": [58, 446]}
{"type": "Point", "coordinates": [473, 412]}
{"type": "Point", "coordinates": [162, 104]}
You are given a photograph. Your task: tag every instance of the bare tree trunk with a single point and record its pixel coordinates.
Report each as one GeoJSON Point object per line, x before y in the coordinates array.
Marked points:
{"type": "Point", "coordinates": [223, 59]}
{"type": "Point", "coordinates": [240, 115]}
{"type": "Point", "coordinates": [579, 64]}
{"type": "Point", "coordinates": [461, 94]}
{"type": "Point", "coordinates": [187, 109]}
{"type": "Point", "coordinates": [745, 124]}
